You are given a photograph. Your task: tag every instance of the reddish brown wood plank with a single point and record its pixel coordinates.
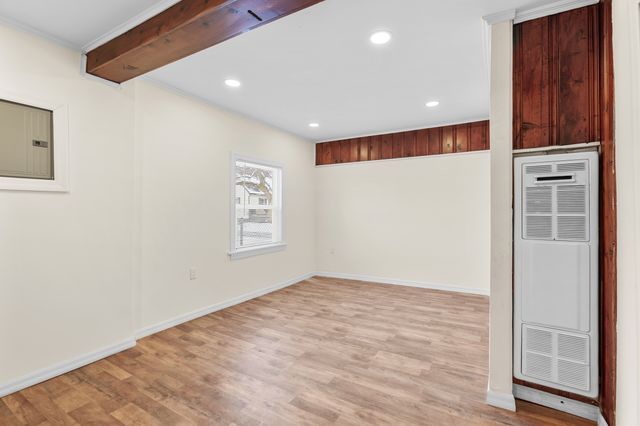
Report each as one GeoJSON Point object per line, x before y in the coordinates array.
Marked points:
{"type": "Point", "coordinates": [319, 154]}
{"type": "Point", "coordinates": [364, 149]}
{"type": "Point", "coordinates": [187, 27]}
{"type": "Point", "coordinates": [386, 146]}
{"type": "Point", "coordinates": [374, 148]}
{"type": "Point", "coordinates": [608, 223]}
{"type": "Point", "coordinates": [422, 142]}
{"type": "Point", "coordinates": [345, 151]}
{"type": "Point", "coordinates": [447, 139]}
{"type": "Point", "coordinates": [409, 144]}
{"type": "Point", "coordinates": [478, 136]}
{"type": "Point", "coordinates": [462, 137]}
{"type": "Point", "coordinates": [355, 149]}
{"type": "Point", "coordinates": [437, 140]}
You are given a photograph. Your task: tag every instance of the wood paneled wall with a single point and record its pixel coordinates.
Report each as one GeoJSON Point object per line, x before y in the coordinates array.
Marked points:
{"type": "Point", "coordinates": [415, 143]}
{"type": "Point", "coordinates": [564, 94]}
{"type": "Point", "coordinates": [556, 77]}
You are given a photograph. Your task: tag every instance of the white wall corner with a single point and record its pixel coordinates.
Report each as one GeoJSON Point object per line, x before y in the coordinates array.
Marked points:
{"type": "Point", "coordinates": [502, 400]}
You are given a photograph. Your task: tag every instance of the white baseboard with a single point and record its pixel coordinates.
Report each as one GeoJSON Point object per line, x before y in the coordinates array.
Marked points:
{"type": "Point", "coordinates": [408, 283]}
{"type": "Point", "coordinates": [556, 402]}
{"type": "Point", "coordinates": [64, 367]}
{"type": "Point", "coordinates": [502, 400]}
{"type": "Point", "coordinates": [147, 331]}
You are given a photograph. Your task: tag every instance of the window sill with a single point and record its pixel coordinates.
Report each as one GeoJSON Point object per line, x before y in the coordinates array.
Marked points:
{"type": "Point", "coordinates": [256, 251]}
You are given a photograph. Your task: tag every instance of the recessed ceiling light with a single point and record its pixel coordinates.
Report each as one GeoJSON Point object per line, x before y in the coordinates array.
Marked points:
{"type": "Point", "coordinates": [432, 104]}
{"type": "Point", "coordinates": [380, 37]}
{"type": "Point", "coordinates": [314, 125]}
{"type": "Point", "coordinates": [232, 83]}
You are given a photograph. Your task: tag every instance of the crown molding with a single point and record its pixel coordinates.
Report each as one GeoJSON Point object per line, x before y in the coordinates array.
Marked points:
{"type": "Point", "coordinates": [143, 16]}
{"type": "Point", "coordinates": [551, 9]}
{"type": "Point", "coordinates": [17, 25]}
{"type": "Point", "coordinates": [495, 18]}
{"type": "Point", "coordinates": [527, 14]}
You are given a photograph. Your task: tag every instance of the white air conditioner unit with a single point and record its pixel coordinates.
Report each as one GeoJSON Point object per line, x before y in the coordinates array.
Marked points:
{"type": "Point", "coordinates": [556, 271]}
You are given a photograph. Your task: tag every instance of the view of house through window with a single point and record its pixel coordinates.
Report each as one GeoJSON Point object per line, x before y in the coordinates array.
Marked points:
{"type": "Point", "coordinates": [258, 200]}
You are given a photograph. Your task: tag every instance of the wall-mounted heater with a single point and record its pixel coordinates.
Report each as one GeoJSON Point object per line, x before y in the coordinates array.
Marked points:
{"type": "Point", "coordinates": [556, 271]}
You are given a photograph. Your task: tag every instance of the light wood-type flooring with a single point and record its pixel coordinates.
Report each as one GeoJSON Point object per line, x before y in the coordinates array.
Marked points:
{"type": "Point", "coordinates": [323, 351]}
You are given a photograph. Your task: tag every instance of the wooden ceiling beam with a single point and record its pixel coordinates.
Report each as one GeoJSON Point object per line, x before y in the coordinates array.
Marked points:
{"type": "Point", "coordinates": [187, 27]}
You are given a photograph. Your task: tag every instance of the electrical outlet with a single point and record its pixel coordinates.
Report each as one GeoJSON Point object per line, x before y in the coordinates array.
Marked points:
{"type": "Point", "coordinates": [193, 274]}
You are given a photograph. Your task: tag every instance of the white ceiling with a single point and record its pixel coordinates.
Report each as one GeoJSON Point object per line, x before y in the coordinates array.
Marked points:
{"type": "Point", "coordinates": [318, 65]}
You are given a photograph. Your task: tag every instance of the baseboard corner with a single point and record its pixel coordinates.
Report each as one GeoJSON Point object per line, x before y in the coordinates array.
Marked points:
{"type": "Point", "coordinates": [503, 400]}
{"type": "Point", "coordinates": [64, 367]}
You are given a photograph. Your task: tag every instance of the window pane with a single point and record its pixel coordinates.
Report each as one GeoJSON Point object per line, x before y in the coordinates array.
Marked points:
{"type": "Point", "coordinates": [255, 202]}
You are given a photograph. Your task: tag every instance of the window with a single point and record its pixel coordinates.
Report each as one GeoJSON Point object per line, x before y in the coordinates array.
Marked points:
{"type": "Point", "coordinates": [26, 141]}
{"type": "Point", "coordinates": [256, 207]}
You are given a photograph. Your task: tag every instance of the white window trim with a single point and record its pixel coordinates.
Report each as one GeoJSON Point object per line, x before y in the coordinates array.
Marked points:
{"type": "Point", "coordinates": [241, 253]}
{"type": "Point", "coordinates": [60, 181]}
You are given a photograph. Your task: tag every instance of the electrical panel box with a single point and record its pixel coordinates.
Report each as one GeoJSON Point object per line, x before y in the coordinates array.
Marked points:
{"type": "Point", "coordinates": [556, 271]}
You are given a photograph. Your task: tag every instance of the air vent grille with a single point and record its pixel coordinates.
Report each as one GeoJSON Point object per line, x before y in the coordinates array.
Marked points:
{"type": "Point", "coordinates": [575, 348]}
{"type": "Point", "coordinates": [538, 169]}
{"type": "Point", "coordinates": [539, 341]}
{"type": "Point", "coordinates": [573, 374]}
{"type": "Point", "coordinates": [538, 366]}
{"type": "Point", "coordinates": [572, 199]}
{"type": "Point", "coordinates": [572, 228]}
{"type": "Point", "coordinates": [539, 227]}
{"type": "Point", "coordinates": [571, 167]}
{"type": "Point", "coordinates": [539, 199]}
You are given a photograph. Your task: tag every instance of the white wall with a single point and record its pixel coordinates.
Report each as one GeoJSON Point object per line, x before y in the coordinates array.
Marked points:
{"type": "Point", "coordinates": [184, 158]}
{"type": "Point", "coordinates": [421, 219]}
{"type": "Point", "coordinates": [65, 258]}
{"type": "Point", "coordinates": [626, 49]}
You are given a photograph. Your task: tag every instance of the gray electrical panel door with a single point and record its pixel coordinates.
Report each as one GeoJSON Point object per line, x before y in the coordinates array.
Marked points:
{"type": "Point", "coordinates": [26, 141]}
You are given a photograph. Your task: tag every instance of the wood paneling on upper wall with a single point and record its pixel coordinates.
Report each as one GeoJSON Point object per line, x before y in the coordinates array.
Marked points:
{"type": "Point", "coordinates": [413, 143]}
{"type": "Point", "coordinates": [556, 79]}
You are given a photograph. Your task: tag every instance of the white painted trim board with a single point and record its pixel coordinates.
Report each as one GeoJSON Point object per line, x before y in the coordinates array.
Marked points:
{"type": "Point", "coordinates": [503, 400]}
{"type": "Point", "coordinates": [64, 367]}
{"type": "Point", "coordinates": [556, 402]}
{"type": "Point", "coordinates": [147, 331]}
{"type": "Point", "coordinates": [408, 283]}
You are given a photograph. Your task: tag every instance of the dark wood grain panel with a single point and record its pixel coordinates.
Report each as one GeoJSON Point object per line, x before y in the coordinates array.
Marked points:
{"type": "Point", "coordinates": [435, 141]}
{"type": "Point", "coordinates": [183, 29]}
{"type": "Point", "coordinates": [386, 143]}
{"type": "Point", "coordinates": [556, 79]}
{"type": "Point", "coordinates": [422, 142]}
{"type": "Point", "coordinates": [462, 137]}
{"type": "Point", "coordinates": [447, 140]}
{"type": "Point", "coordinates": [345, 150]}
{"type": "Point", "coordinates": [409, 144]}
{"type": "Point", "coordinates": [374, 148]}
{"type": "Point", "coordinates": [364, 149]}
{"type": "Point", "coordinates": [432, 141]}
{"type": "Point", "coordinates": [355, 150]}
{"type": "Point", "coordinates": [608, 222]}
